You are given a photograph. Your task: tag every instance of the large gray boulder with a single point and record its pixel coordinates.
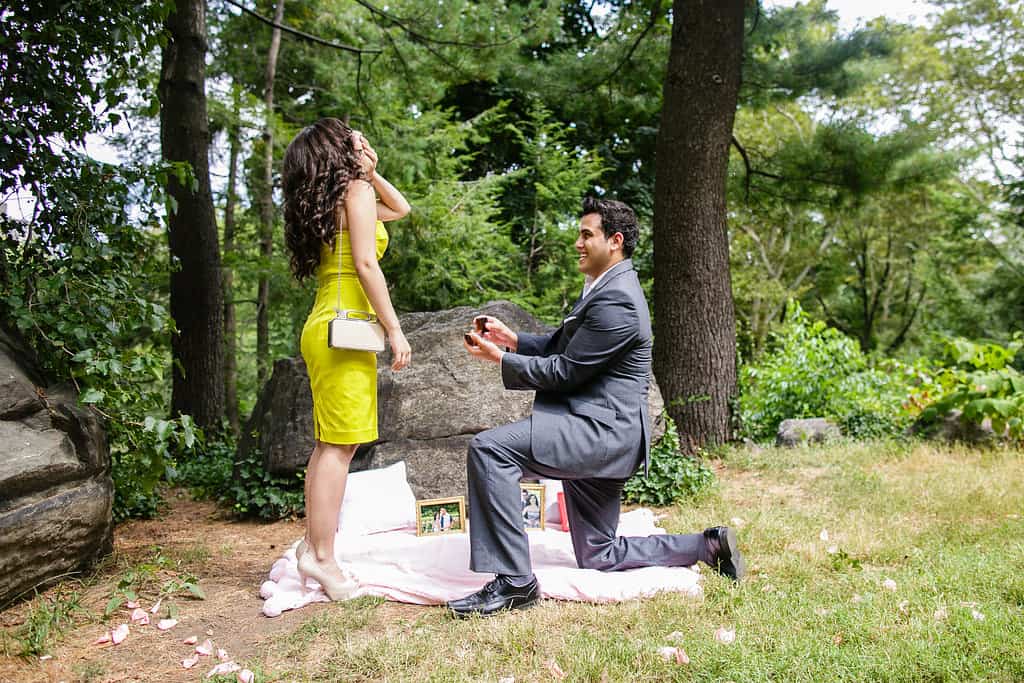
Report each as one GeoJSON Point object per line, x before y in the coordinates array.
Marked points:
{"type": "Point", "coordinates": [427, 413]}
{"type": "Point", "coordinates": [953, 428]}
{"type": "Point", "coordinates": [810, 430]}
{"type": "Point", "coordinates": [56, 492]}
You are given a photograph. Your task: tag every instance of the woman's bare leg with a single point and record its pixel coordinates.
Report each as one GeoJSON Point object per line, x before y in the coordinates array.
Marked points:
{"type": "Point", "coordinates": [326, 476]}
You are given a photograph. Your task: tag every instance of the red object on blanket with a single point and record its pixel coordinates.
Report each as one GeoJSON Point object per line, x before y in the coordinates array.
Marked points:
{"type": "Point", "coordinates": [561, 511]}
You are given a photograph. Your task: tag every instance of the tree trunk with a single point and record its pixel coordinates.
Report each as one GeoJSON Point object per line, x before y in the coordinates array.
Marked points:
{"type": "Point", "coordinates": [230, 338]}
{"type": "Point", "coordinates": [267, 207]}
{"type": "Point", "coordinates": [695, 330]}
{"type": "Point", "coordinates": [197, 349]}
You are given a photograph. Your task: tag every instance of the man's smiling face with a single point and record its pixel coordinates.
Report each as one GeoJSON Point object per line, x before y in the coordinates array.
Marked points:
{"type": "Point", "coordinates": [597, 252]}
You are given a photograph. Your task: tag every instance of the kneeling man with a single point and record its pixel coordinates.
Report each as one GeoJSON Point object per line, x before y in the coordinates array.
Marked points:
{"type": "Point", "coordinates": [590, 428]}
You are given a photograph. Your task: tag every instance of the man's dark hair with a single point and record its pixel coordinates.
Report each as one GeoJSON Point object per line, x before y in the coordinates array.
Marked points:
{"type": "Point", "coordinates": [615, 217]}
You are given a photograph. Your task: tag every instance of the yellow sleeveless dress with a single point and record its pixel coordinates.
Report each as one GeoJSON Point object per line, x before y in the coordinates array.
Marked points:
{"type": "Point", "coordinates": [344, 382]}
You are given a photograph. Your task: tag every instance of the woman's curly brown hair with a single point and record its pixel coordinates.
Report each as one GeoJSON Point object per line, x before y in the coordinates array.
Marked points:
{"type": "Point", "coordinates": [318, 166]}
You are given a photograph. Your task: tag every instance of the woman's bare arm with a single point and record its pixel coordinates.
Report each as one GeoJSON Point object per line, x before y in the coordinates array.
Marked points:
{"type": "Point", "coordinates": [392, 205]}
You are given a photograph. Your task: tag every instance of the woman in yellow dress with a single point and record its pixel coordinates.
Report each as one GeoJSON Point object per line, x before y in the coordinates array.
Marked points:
{"type": "Point", "coordinates": [330, 189]}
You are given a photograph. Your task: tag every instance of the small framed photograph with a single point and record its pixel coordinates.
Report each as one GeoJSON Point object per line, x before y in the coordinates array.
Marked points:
{"type": "Point", "coordinates": [441, 516]}
{"type": "Point", "coordinates": [533, 505]}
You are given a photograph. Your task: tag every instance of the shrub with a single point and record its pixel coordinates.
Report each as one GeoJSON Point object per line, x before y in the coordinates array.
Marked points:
{"type": "Point", "coordinates": [813, 370]}
{"type": "Point", "coordinates": [673, 476]}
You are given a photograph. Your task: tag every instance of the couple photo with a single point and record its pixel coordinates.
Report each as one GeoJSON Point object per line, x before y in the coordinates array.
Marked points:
{"type": "Point", "coordinates": [590, 427]}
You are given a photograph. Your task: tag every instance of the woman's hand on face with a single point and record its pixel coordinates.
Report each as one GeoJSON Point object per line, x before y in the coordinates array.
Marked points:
{"type": "Point", "coordinates": [401, 352]}
{"type": "Point", "coordinates": [367, 155]}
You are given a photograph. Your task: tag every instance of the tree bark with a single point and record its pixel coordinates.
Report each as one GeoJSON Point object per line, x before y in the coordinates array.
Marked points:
{"type": "Point", "coordinates": [197, 349]}
{"type": "Point", "coordinates": [267, 206]}
{"type": "Point", "coordinates": [695, 329]}
{"type": "Point", "coordinates": [228, 279]}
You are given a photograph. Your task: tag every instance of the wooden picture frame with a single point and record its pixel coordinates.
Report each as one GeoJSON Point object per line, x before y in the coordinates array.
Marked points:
{"type": "Point", "coordinates": [532, 498]}
{"type": "Point", "coordinates": [441, 516]}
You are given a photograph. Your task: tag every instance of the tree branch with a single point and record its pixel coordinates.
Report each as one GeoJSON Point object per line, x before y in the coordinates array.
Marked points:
{"type": "Point", "coordinates": [302, 34]}
{"type": "Point", "coordinates": [402, 24]}
{"type": "Point", "coordinates": [651, 22]}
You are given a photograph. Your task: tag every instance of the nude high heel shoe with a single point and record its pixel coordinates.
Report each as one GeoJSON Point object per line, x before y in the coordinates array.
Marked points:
{"type": "Point", "coordinates": [335, 588]}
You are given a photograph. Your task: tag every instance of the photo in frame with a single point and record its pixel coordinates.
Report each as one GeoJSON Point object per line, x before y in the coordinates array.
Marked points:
{"type": "Point", "coordinates": [441, 516]}
{"type": "Point", "coordinates": [532, 496]}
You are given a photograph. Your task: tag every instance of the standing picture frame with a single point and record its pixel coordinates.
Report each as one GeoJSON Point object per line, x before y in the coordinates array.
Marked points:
{"type": "Point", "coordinates": [532, 498]}
{"type": "Point", "coordinates": [441, 516]}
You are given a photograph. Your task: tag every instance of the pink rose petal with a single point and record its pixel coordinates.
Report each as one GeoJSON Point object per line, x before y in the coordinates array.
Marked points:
{"type": "Point", "coordinates": [667, 653]}
{"type": "Point", "coordinates": [131, 604]}
{"type": "Point", "coordinates": [105, 638]}
{"type": "Point", "coordinates": [223, 668]}
{"type": "Point", "coordinates": [725, 635]}
{"type": "Point", "coordinates": [555, 670]}
{"type": "Point", "coordinates": [189, 662]}
{"type": "Point", "coordinates": [156, 608]}
{"type": "Point", "coordinates": [118, 635]}
{"type": "Point", "coordinates": [165, 624]}
{"type": "Point", "coordinates": [675, 637]}
{"type": "Point", "coordinates": [978, 616]}
{"type": "Point", "coordinates": [140, 617]}
{"type": "Point", "coordinates": [222, 654]}
{"type": "Point", "coordinates": [191, 640]}
{"type": "Point", "coordinates": [681, 656]}
{"type": "Point", "coordinates": [823, 535]}
{"type": "Point", "coordinates": [206, 648]}
{"type": "Point", "coordinates": [889, 584]}
{"type": "Point", "coordinates": [246, 676]}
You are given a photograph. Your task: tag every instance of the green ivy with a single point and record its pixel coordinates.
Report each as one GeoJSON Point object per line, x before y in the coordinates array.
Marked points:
{"type": "Point", "coordinates": [673, 476]}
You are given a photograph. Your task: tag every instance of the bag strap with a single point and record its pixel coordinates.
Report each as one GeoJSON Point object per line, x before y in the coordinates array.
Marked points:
{"type": "Point", "coordinates": [337, 244]}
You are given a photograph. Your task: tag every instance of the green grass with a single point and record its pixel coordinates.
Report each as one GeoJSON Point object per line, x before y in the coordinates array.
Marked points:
{"type": "Point", "coordinates": [945, 524]}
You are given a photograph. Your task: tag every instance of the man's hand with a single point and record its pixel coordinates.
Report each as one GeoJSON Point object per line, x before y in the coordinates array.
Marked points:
{"type": "Point", "coordinates": [481, 348]}
{"type": "Point", "coordinates": [493, 330]}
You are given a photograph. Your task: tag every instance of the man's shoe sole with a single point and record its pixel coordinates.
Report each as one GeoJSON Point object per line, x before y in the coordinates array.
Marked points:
{"type": "Point", "coordinates": [730, 549]}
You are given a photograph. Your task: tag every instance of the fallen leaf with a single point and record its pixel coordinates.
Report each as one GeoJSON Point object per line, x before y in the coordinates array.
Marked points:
{"type": "Point", "coordinates": [156, 608]}
{"type": "Point", "coordinates": [118, 635]}
{"type": "Point", "coordinates": [889, 584]}
{"type": "Point", "coordinates": [222, 654]}
{"type": "Point", "coordinates": [823, 535]}
{"type": "Point", "coordinates": [725, 635]}
{"type": "Point", "coordinates": [223, 668]}
{"type": "Point", "coordinates": [140, 617]}
{"type": "Point", "coordinates": [554, 669]}
{"type": "Point", "coordinates": [191, 640]}
{"type": "Point", "coordinates": [165, 624]}
{"type": "Point", "coordinates": [246, 676]}
{"type": "Point", "coordinates": [189, 662]}
{"type": "Point", "coordinates": [978, 616]}
{"type": "Point", "coordinates": [206, 648]}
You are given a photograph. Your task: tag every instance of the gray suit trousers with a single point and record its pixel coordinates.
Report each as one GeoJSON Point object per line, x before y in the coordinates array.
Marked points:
{"type": "Point", "coordinates": [498, 458]}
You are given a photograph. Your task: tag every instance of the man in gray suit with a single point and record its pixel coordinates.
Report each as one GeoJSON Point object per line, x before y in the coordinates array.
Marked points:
{"type": "Point", "coordinates": [590, 428]}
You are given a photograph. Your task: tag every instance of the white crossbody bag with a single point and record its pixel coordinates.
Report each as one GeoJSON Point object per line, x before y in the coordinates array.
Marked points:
{"type": "Point", "coordinates": [353, 330]}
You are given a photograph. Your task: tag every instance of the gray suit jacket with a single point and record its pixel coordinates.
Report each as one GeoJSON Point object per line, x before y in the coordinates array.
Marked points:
{"type": "Point", "coordinates": [592, 376]}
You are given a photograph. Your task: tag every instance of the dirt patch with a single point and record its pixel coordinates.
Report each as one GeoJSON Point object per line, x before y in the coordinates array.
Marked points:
{"type": "Point", "coordinates": [230, 558]}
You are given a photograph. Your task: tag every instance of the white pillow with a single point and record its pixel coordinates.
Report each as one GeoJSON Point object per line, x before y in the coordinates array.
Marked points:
{"type": "Point", "coordinates": [377, 500]}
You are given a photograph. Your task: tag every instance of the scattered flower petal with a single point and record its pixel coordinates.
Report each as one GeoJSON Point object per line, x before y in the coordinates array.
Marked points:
{"type": "Point", "coordinates": [767, 588]}
{"type": "Point", "coordinates": [206, 648]}
{"type": "Point", "coordinates": [105, 638]}
{"type": "Point", "coordinates": [555, 670]}
{"type": "Point", "coordinates": [681, 656]}
{"type": "Point", "coordinates": [209, 631]}
{"type": "Point", "coordinates": [857, 598]}
{"type": "Point", "coordinates": [223, 668]}
{"type": "Point", "coordinates": [832, 549]}
{"type": "Point", "coordinates": [978, 616]}
{"type": "Point", "coordinates": [675, 637]}
{"type": "Point", "coordinates": [191, 640]}
{"type": "Point", "coordinates": [737, 522]}
{"type": "Point", "coordinates": [889, 584]}
{"type": "Point", "coordinates": [941, 614]}
{"type": "Point", "coordinates": [823, 535]}
{"type": "Point", "coordinates": [140, 617]}
{"type": "Point", "coordinates": [45, 657]}
{"type": "Point", "coordinates": [725, 635]}
{"type": "Point", "coordinates": [904, 606]}
{"type": "Point", "coordinates": [667, 653]}
{"type": "Point", "coordinates": [838, 638]}
{"type": "Point", "coordinates": [131, 604]}
{"type": "Point", "coordinates": [246, 676]}
{"type": "Point", "coordinates": [821, 612]}
{"type": "Point", "coordinates": [222, 654]}
{"type": "Point", "coordinates": [156, 608]}
{"type": "Point", "coordinates": [118, 635]}
{"type": "Point", "coordinates": [507, 679]}
{"type": "Point", "coordinates": [165, 624]}
{"type": "Point", "coordinates": [189, 662]}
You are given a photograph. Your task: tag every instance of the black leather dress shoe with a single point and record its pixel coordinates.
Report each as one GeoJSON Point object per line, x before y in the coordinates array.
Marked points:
{"type": "Point", "coordinates": [725, 552]}
{"type": "Point", "coordinates": [496, 596]}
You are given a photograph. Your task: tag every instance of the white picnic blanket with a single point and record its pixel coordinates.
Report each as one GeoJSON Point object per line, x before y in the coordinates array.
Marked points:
{"type": "Point", "coordinates": [430, 570]}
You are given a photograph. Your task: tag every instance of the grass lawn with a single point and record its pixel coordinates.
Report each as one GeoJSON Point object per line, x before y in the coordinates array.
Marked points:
{"type": "Point", "coordinates": [868, 562]}
{"type": "Point", "coordinates": [826, 532]}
